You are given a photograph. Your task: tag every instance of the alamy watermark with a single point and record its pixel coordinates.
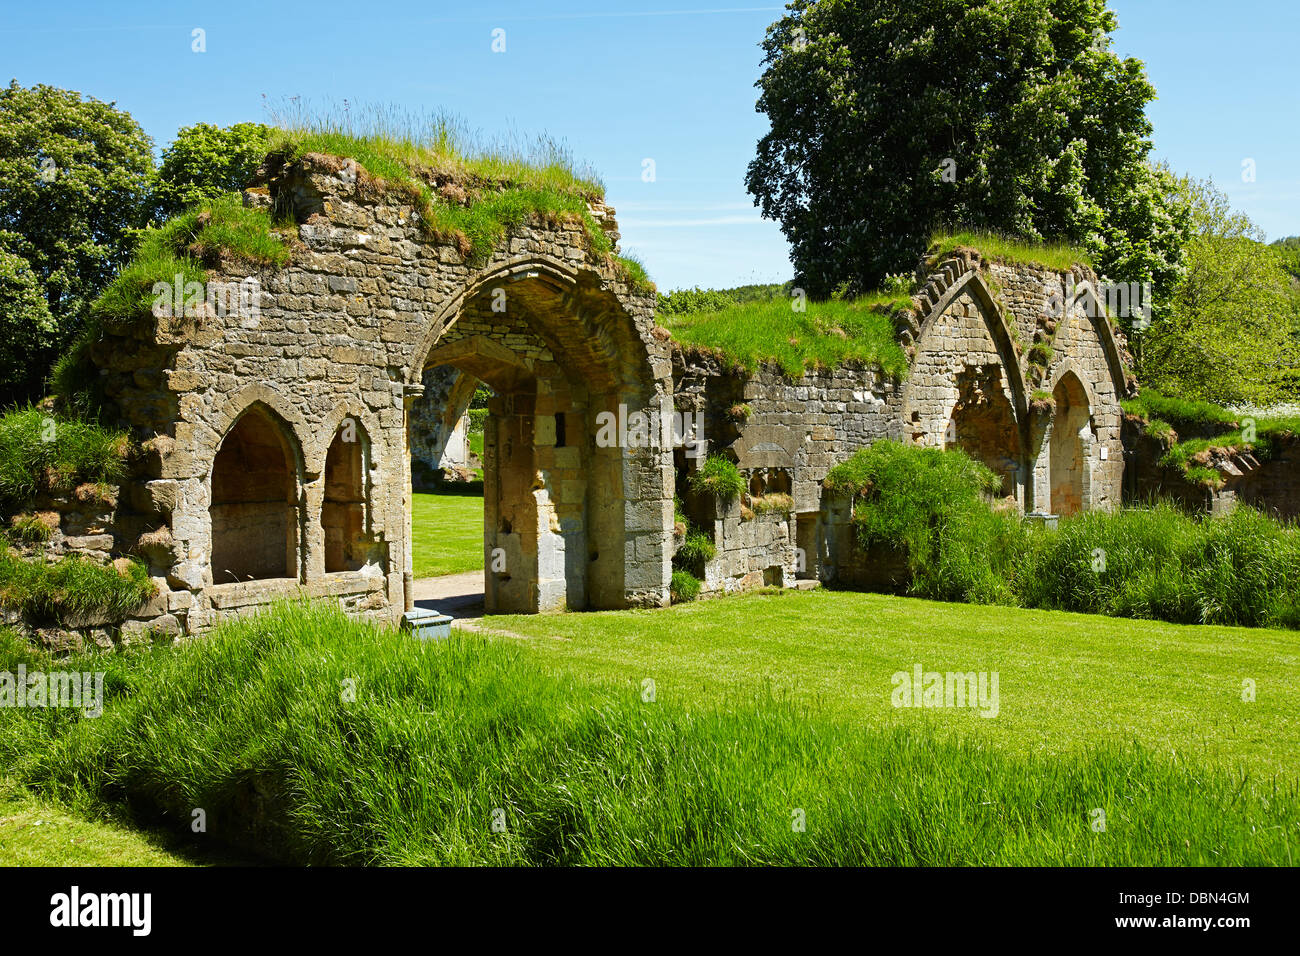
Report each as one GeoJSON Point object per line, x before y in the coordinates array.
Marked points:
{"type": "Point", "coordinates": [1127, 300]}
{"type": "Point", "coordinates": [638, 429]}
{"type": "Point", "coordinates": [193, 300]}
{"type": "Point", "coordinates": [922, 688]}
{"type": "Point", "coordinates": [80, 689]}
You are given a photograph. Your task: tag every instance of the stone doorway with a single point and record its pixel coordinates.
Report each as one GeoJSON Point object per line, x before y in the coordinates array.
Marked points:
{"type": "Point", "coordinates": [1070, 446]}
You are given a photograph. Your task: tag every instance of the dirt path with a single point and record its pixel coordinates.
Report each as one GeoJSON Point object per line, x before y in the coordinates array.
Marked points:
{"type": "Point", "coordinates": [461, 596]}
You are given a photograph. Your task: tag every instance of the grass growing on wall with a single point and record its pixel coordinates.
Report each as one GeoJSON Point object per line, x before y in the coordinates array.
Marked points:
{"type": "Point", "coordinates": [464, 189]}
{"type": "Point", "coordinates": [40, 451]}
{"type": "Point", "coordinates": [826, 335]}
{"type": "Point", "coordinates": [71, 588]}
{"type": "Point", "coordinates": [415, 769]}
{"type": "Point", "coordinates": [718, 476]}
{"type": "Point", "coordinates": [1059, 257]}
{"type": "Point", "coordinates": [1200, 426]}
{"type": "Point", "coordinates": [220, 231]}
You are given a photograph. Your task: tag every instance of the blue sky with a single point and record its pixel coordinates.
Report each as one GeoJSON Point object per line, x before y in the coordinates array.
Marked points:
{"type": "Point", "coordinates": [621, 82]}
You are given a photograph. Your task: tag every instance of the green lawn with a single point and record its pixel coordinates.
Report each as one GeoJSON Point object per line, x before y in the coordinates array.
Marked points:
{"type": "Point", "coordinates": [1067, 682]}
{"type": "Point", "coordinates": [33, 833]}
{"type": "Point", "coordinates": [446, 534]}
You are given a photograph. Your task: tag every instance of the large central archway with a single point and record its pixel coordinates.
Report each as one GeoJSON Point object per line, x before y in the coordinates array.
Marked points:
{"type": "Point", "coordinates": [570, 521]}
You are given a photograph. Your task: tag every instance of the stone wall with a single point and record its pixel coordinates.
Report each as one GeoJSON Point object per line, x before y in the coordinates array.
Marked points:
{"type": "Point", "coordinates": [280, 443]}
{"type": "Point", "coordinates": [338, 346]}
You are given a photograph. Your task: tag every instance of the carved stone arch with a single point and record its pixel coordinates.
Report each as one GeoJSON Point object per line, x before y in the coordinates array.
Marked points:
{"type": "Point", "coordinates": [998, 329]}
{"type": "Point", "coordinates": [1067, 366]}
{"type": "Point", "coordinates": [547, 269]}
{"type": "Point", "coordinates": [314, 453]}
{"type": "Point", "coordinates": [237, 404]}
{"type": "Point", "coordinates": [1095, 312]}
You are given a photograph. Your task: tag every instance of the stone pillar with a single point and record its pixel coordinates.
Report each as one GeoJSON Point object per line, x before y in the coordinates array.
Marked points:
{"type": "Point", "coordinates": [410, 396]}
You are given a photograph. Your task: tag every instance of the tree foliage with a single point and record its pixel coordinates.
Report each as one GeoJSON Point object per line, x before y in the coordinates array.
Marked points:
{"type": "Point", "coordinates": [890, 119]}
{"type": "Point", "coordinates": [74, 176]}
{"type": "Point", "coordinates": [1229, 332]}
{"type": "Point", "coordinates": [26, 330]}
{"type": "Point", "coordinates": [206, 161]}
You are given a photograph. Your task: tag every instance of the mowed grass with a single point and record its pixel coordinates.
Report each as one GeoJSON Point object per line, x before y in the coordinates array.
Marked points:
{"type": "Point", "coordinates": [1067, 682]}
{"type": "Point", "coordinates": [478, 751]}
{"type": "Point", "coordinates": [36, 833]}
{"type": "Point", "coordinates": [446, 534]}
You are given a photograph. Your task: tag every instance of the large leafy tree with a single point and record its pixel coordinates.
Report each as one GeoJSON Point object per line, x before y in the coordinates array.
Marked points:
{"type": "Point", "coordinates": [74, 178]}
{"type": "Point", "coordinates": [1229, 332]}
{"type": "Point", "coordinates": [206, 161]}
{"type": "Point", "coordinates": [26, 330]}
{"type": "Point", "coordinates": [890, 118]}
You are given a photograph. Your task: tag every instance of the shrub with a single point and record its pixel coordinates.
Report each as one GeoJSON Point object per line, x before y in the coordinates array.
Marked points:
{"type": "Point", "coordinates": [40, 451]}
{"type": "Point", "coordinates": [930, 504]}
{"type": "Point", "coordinates": [718, 476]}
{"type": "Point", "coordinates": [695, 552]}
{"type": "Point", "coordinates": [685, 587]}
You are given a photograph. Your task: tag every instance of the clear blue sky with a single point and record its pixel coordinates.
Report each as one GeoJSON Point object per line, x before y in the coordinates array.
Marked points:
{"type": "Point", "coordinates": [622, 81]}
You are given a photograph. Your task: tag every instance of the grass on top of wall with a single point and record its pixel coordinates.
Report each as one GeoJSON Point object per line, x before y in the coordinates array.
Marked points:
{"type": "Point", "coordinates": [1201, 426]}
{"type": "Point", "coordinates": [42, 451]}
{"type": "Point", "coordinates": [464, 190]}
{"type": "Point", "coordinates": [475, 751]}
{"type": "Point", "coordinates": [1060, 257]}
{"type": "Point", "coordinates": [71, 588]}
{"type": "Point", "coordinates": [827, 335]}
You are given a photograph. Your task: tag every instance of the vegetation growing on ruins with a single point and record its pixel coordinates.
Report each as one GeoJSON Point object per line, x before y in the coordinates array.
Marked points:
{"type": "Point", "coordinates": [464, 191]}
{"type": "Point", "coordinates": [72, 588]}
{"type": "Point", "coordinates": [590, 774]}
{"type": "Point", "coordinates": [825, 335]}
{"type": "Point", "coordinates": [684, 586]}
{"type": "Point", "coordinates": [1057, 256]}
{"type": "Point", "coordinates": [929, 506]}
{"type": "Point", "coordinates": [718, 476]}
{"type": "Point", "coordinates": [44, 452]}
{"type": "Point", "coordinates": [1192, 431]}
{"type": "Point", "coordinates": [222, 233]}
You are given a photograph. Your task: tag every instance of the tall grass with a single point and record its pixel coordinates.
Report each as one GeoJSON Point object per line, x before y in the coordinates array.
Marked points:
{"type": "Point", "coordinates": [1158, 562]}
{"type": "Point", "coordinates": [71, 589]}
{"type": "Point", "coordinates": [826, 335]}
{"type": "Point", "coordinates": [40, 451]}
{"type": "Point", "coordinates": [257, 726]}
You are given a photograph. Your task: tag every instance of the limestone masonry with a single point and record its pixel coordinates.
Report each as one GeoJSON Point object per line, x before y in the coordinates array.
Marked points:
{"type": "Point", "coordinates": [281, 442]}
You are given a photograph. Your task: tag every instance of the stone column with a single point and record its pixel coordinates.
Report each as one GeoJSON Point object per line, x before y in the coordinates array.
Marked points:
{"type": "Point", "coordinates": [410, 395]}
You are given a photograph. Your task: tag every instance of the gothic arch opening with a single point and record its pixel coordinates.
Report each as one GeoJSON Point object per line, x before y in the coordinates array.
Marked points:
{"type": "Point", "coordinates": [1070, 444]}
{"type": "Point", "coordinates": [560, 360]}
{"type": "Point", "coordinates": [344, 511]}
{"type": "Point", "coordinates": [254, 509]}
{"type": "Point", "coordinates": [983, 423]}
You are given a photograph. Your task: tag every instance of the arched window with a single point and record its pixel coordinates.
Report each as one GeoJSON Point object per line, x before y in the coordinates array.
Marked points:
{"type": "Point", "coordinates": [254, 508]}
{"type": "Point", "coordinates": [1071, 442]}
{"type": "Point", "coordinates": [343, 514]}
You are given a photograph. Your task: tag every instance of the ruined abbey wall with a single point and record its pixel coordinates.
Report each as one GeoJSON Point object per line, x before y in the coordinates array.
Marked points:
{"type": "Point", "coordinates": [279, 443]}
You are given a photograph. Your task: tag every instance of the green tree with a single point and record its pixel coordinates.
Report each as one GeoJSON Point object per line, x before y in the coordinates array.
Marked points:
{"type": "Point", "coordinates": [890, 119]}
{"type": "Point", "coordinates": [74, 178]}
{"type": "Point", "coordinates": [206, 161]}
{"type": "Point", "coordinates": [26, 330]}
{"type": "Point", "coordinates": [1228, 333]}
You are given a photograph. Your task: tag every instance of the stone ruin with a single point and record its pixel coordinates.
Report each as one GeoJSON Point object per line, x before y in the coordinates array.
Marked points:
{"type": "Point", "coordinates": [280, 442]}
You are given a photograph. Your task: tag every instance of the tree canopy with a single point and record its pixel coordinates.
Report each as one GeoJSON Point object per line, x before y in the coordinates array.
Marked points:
{"type": "Point", "coordinates": [890, 119]}
{"type": "Point", "coordinates": [205, 161]}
